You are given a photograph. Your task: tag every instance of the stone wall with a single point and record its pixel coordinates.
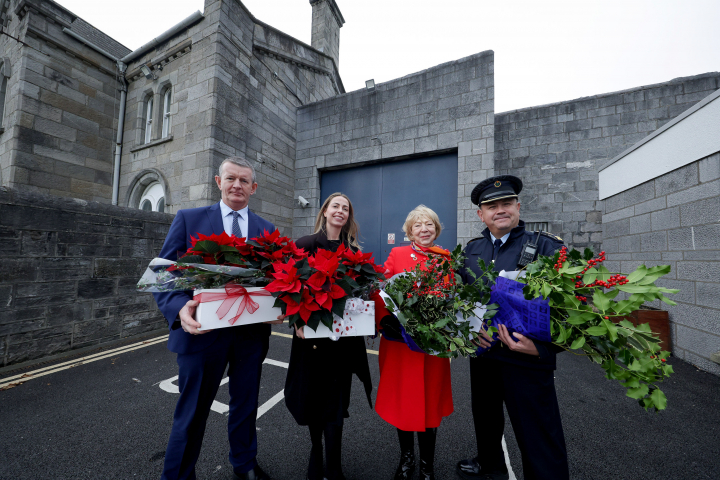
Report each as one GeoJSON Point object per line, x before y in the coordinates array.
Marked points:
{"type": "Point", "coordinates": [65, 102]}
{"type": "Point", "coordinates": [235, 92]}
{"type": "Point", "coordinates": [445, 108]}
{"type": "Point", "coordinates": [673, 220]}
{"type": "Point", "coordinates": [68, 270]}
{"type": "Point", "coordinates": [557, 148]}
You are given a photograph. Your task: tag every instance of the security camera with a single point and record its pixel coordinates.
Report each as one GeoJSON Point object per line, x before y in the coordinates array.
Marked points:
{"type": "Point", "coordinates": [303, 203]}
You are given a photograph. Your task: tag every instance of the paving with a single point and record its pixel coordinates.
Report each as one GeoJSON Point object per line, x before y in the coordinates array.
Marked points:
{"type": "Point", "coordinates": [111, 419]}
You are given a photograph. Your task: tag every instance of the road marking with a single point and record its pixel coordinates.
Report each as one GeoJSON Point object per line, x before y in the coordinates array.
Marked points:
{"type": "Point", "coordinates": [16, 380]}
{"type": "Point", "coordinates": [285, 335]}
{"type": "Point", "coordinates": [507, 460]}
{"type": "Point", "coordinates": [170, 387]}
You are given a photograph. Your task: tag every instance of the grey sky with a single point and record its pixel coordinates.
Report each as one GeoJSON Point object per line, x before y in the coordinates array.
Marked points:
{"type": "Point", "coordinates": [545, 51]}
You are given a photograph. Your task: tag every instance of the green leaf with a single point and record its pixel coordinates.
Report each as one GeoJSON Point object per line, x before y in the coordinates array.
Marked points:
{"type": "Point", "coordinates": [638, 393]}
{"type": "Point", "coordinates": [577, 318]}
{"type": "Point", "coordinates": [612, 329]}
{"type": "Point", "coordinates": [442, 322]}
{"type": "Point", "coordinates": [568, 270]}
{"type": "Point", "coordinates": [638, 274]}
{"type": "Point", "coordinates": [546, 290]}
{"type": "Point", "coordinates": [597, 331]}
{"type": "Point", "coordinates": [659, 399]}
{"type": "Point", "coordinates": [590, 276]}
{"type": "Point", "coordinates": [578, 343]}
{"type": "Point", "coordinates": [207, 246]}
{"type": "Point", "coordinates": [601, 301]}
{"type": "Point", "coordinates": [633, 288]}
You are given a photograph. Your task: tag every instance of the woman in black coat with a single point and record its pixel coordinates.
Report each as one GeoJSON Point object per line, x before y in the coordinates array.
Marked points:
{"type": "Point", "coordinates": [319, 378]}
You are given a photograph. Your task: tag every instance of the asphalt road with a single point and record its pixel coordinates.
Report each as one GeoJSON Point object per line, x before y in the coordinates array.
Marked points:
{"type": "Point", "coordinates": [111, 419]}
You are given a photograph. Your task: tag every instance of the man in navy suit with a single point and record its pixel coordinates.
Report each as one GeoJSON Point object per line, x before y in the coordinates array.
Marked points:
{"type": "Point", "coordinates": [203, 355]}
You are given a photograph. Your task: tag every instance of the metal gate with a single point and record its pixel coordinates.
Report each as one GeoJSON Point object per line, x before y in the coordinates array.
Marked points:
{"type": "Point", "coordinates": [383, 195]}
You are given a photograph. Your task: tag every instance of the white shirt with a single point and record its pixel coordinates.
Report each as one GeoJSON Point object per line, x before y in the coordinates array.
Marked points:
{"type": "Point", "coordinates": [228, 219]}
{"type": "Point", "coordinates": [503, 239]}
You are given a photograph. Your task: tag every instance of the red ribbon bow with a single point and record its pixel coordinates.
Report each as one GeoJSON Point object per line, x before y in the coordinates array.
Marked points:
{"type": "Point", "coordinates": [232, 293]}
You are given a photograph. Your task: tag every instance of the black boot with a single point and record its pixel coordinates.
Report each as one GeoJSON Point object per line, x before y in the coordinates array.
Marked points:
{"type": "Point", "coordinates": [407, 455]}
{"type": "Point", "coordinates": [333, 451]}
{"type": "Point", "coordinates": [426, 442]}
{"type": "Point", "coordinates": [315, 467]}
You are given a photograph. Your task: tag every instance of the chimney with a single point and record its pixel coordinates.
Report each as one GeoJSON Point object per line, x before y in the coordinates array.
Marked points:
{"type": "Point", "coordinates": [326, 23]}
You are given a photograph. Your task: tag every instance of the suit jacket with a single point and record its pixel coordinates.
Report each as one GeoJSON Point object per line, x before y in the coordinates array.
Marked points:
{"type": "Point", "coordinates": [205, 220]}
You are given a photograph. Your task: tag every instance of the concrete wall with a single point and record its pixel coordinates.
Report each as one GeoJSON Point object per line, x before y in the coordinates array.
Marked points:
{"type": "Point", "coordinates": [68, 270]}
{"type": "Point", "coordinates": [62, 116]}
{"type": "Point", "coordinates": [556, 149]}
{"type": "Point", "coordinates": [674, 220]}
{"type": "Point", "coordinates": [446, 108]}
{"type": "Point", "coordinates": [227, 100]}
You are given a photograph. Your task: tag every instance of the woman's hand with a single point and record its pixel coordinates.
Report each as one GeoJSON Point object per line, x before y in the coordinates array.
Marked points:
{"type": "Point", "coordinates": [522, 345]}
{"type": "Point", "coordinates": [280, 319]}
{"type": "Point", "coordinates": [482, 339]}
{"type": "Point", "coordinates": [300, 331]}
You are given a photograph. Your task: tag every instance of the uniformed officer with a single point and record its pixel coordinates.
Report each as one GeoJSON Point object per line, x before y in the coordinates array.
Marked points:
{"type": "Point", "coordinates": [517, 370]}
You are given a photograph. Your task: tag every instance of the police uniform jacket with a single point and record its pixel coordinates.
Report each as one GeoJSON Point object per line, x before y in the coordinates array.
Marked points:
{"type": "Point", "coordinates": [319, 378]}
{"type": "Point", "coordinates": [507, 259]}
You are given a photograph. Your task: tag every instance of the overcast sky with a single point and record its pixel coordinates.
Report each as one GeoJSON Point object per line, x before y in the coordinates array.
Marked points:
{"type": "Point", "coordinates": [545, 51]}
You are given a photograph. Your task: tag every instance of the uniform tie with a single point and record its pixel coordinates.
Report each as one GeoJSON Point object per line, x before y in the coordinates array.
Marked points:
{"type": "Point", "coordinates": [496, 248]}
{"type": "Point", "coordinates": [236, 225]}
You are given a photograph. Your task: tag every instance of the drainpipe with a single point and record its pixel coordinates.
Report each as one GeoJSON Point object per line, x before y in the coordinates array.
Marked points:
{"type": "Point", "coordinates": [121, 127]}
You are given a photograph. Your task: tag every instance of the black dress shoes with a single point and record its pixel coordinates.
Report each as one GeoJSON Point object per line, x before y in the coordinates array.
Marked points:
{"type": "Point", "coordinates": [470, 470]}
{"type": "Point", "coordinates": [254, 474]}
{"type": "Point", "coordinates": [406, 467]}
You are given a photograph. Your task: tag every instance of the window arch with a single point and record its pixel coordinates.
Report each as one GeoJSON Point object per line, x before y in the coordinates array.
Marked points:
{"type": "Point", "coordinates": [153, 198]}
{"type": "Point", "coordinates": [148, 119]}
{"type": "Point", "coordinates": [4, 76]}
{"type": "Point", "coordinates": [167, 99]}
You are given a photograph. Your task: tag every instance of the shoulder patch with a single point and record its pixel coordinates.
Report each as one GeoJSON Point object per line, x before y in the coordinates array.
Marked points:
{"type": "Point", "coordinates": [550, 235]}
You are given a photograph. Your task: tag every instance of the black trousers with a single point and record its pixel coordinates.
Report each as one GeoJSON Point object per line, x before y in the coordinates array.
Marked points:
{"type": "Point", "coordinates": [531, 402]}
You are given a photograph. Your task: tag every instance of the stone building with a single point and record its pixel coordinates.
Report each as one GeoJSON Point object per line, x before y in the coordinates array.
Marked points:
{"type": "Point", "coordinates": [84, 117]}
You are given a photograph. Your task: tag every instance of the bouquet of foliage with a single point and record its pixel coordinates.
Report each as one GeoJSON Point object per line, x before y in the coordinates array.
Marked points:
{"type": "Point", "coordinates": [213, 261]}
{"type": "Point", "coordinates": [567, 282]}
{"type": "Point", "coordinates": [311, 289]}
{"type": "Point", "coordinates": [435, 308]}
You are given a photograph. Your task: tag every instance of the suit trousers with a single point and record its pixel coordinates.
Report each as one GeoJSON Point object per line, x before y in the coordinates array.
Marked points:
{"type": "Point", "coordinates": [531, 402]}
{"type": "Point", "coordinates": [244, 349]}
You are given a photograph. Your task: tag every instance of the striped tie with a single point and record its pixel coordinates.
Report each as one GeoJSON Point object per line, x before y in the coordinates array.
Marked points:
{"type": "Point", "coordinates": [235, 225]}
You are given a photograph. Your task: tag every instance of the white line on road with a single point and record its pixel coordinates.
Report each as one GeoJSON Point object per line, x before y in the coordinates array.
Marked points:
{"type": "Point", "coordinates": [507, 460]}
{"type": "Point", "coordinates": [170, 387]}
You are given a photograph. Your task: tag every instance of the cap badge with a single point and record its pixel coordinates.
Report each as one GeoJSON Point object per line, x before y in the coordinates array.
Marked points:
{"type": "Point", "coordinates": [497, 184]}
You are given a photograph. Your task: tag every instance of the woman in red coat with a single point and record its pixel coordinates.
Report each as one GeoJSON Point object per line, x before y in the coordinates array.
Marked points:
{"type": "Point", "coordinates": [414, 392]}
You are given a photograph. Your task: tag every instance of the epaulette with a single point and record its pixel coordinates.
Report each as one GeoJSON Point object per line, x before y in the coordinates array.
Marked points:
{"type": "Point", "coordinates": [550, 235]}
{"type": "Point", "coordinates": [476, 238]}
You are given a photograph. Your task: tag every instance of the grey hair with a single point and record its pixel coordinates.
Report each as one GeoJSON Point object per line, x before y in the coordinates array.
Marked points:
{"type": "Point", "coordinates": [240, 162]}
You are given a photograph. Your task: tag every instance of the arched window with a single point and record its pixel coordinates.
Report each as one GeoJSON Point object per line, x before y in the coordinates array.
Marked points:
{"type": "Point", "coordinates": [148, 120]}
{"type": "Point", "coordinates": [153, 198]}
{"type": "Point", "coordinates": [166, 113]}
{"type": "Point", "coordinates": [3, 89]}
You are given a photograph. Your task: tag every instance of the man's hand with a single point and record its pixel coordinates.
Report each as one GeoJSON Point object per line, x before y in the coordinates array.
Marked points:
{"type": "Point", "coordinates": [280, 319]}
{"type": "Point", "coordinates": [187, 320]}
{"type": "Point", "coordinates": [522, 345]}
{"type": "Point", "coordinates": [482, 339]}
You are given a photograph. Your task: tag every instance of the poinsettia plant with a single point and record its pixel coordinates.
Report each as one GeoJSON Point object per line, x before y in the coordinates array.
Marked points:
{"type": "Point", "coordinates": [311, 289]}
{"type": "Point", "coordinates": [587, 319]}
{"type": "Point", "coordinates": [434, 306]}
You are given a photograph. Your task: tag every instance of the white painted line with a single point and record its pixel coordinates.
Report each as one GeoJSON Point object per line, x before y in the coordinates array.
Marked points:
{"type": "Point", "coordinates": [507, 460]}
{"type": "Point", "coordinates": [20, 379]}
{"type": "Point", "coordinates": [276, 363]}
{"type": "Point", "coordinates": [270, 403]}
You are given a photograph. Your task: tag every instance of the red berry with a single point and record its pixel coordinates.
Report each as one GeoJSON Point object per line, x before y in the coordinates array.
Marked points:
{"type": "Point", "coordinates": [662, 360]}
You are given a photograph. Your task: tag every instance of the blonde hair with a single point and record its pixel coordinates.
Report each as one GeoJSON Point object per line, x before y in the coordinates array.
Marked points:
{"type": "Point", "coordinates": [350, 232]}
{"type": "Point", "coordinates": [421, 211]}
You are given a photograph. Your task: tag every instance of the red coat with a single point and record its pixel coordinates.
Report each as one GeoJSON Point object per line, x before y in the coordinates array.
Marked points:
{"type": "Point", "coordinates": [415, 390]}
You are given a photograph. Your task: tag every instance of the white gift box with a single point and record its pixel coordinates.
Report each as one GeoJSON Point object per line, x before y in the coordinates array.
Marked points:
{"type": "Point", "coordinates": [207, 312]}
{"type": "Point", "coordinates": [358, 319]}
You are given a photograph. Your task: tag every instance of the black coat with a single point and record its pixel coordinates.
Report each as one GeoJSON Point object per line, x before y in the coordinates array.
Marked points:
{"type": "Point", "coordinates": [507, 259]}
{"type": "Point", "coordinates": [319, 378]}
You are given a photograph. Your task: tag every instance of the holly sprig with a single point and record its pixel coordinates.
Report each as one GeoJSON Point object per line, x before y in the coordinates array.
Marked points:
{"type": "Point", "coordinates": [587, 317]}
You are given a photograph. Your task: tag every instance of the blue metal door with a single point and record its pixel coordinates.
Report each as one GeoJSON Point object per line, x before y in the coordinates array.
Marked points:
{"type": "Point", "coordinates": [382, 195]}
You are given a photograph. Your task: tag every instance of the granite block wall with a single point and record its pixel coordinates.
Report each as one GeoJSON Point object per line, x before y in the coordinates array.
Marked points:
{"type": "Point", "coordinates": [556, 149]}
{"type": "Point", "coordinates": [68, 270]}
{"type": "Point", "coordinates": [63, 109]}
{"type": "Point", "coordinates": [675, 220]}
{"type": "Point", "coordinates": [446, 108]}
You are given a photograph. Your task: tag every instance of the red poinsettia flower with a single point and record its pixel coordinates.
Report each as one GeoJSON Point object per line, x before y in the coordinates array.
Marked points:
{"type": "Point", "coordinates": [324, 261]}
{"type": "Point", "coordinates": [292, 250]}
{"type": "Point", "coordinates": [276, 256]}
{"type": "Point", "coordinates": [222, 239]}
{"type": "Point", "coordinates": [356, 258]}
{"type": "Point", "coordinates": [325, 298]}
{"type": "Point", "coordinates": [242, 246]}
{"type": "Point", "coordinates": [305, 308]}
{"type": "Point", "coordinates": [286, 278]}
{"type": "Point", "coordinates": [274, 238]}
{"type": "Point", "coordinates": [318, 281]}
